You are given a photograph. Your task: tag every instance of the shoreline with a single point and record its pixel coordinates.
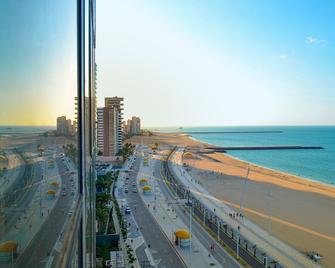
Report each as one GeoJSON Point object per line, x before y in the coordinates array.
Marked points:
{"type": "Point", "coordinates": [276, 176]}
{"type": "Point", "coordinates": [296, 179]}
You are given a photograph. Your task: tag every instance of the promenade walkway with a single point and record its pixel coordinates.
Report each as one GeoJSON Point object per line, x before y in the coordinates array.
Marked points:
{"type": "Point", "coordinates": [167, 218]}
{"type": "Point", "coordinates": [285, 254]}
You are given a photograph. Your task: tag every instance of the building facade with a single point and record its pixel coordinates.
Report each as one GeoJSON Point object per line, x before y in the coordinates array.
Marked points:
{"type": "Point", "coordinates": [112, 126]}
{"type": "Point", "coordinates": [133, 126]}
{"type": "Point", "coordinates": [100, 130]}
{"type": "Point", "coordinates": [47, 210]}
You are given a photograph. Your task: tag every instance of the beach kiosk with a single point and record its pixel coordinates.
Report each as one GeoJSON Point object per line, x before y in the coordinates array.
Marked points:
{"type": "Point", "coordinates": [54, 184]}
{"type": "Point", "coordinates": [182, 238]}
{"type": "Point", "coordinates": [51, 194]}
{"type": "Point", "coordinates": [146, 190]}
{"type": "Point", "coordinates": [8, 251]}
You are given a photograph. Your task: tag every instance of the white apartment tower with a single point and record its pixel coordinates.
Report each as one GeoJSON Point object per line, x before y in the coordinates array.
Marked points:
{"type": "Point", "coordinates": [112, 126]}
{"type": "Point", "coordinates": [100, 129]}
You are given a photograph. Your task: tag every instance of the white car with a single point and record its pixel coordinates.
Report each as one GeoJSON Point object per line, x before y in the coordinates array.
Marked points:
{"type": "Point", "coordinates": [70, 212]}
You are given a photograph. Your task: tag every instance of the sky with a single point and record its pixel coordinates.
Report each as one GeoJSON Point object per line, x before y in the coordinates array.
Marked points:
{"type": "Point", "coordinates": [208, 63]}
{"type": "Point", "coordinates": [177, 63]}
{"type": "Point", "coordinates": [37, 61]}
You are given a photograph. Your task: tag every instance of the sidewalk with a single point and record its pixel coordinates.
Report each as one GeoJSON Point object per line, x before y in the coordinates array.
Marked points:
{"type": "Point", "coordinates": [284, 253]}
{"type": "Point", "coordinates": [197, 255]}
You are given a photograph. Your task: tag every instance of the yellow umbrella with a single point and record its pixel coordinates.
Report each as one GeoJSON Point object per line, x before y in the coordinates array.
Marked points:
{"type": "Point", "coordinates": [51, 192]}
{"type": "Point", "coordinates": [54, 183]}
{"type": "Point", "coordinates": [146, 188]}
{"type": "Point", "coordinates": [8, 246]}
{"type": "Point", "coordinates": [182, 234]}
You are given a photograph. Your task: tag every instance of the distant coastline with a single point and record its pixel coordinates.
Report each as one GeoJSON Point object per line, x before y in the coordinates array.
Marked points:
{"type": "Point", "coordinates": [311, 165]}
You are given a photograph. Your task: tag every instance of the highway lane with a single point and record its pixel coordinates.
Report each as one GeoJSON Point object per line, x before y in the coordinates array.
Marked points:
{"type": "Point", "coordinates": [202, 235]}
{"type": "Point", "coordinates": [162, 249]}
{"type": "Point", "coordinates": [37, 253]}
{"type": "Point", "coordinates": [21, 198]}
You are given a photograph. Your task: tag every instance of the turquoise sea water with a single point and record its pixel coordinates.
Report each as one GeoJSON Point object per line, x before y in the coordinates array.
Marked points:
{"type": "Point", "coordinates": [317, 165]}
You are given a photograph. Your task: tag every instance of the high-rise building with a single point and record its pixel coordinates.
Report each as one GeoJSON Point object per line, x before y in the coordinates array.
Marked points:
{"type": "Point", "coordinates": [112, 126]}
{"type": "Point", "coordinates": [133, 126]}
{"type": "Point", "coordinates": [64, 126]}
{"type": "Point", "coordinates": [100, 130]}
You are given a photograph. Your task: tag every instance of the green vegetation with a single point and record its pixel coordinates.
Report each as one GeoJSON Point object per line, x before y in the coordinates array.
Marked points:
{"type": "Point", "coordinates": [130, 253]}
{"type": "Point", "coordinates": [102, 200]}
{"type": "Point", "coordinates": [71, 151]}
{"type": "Point", "coordinates": [127, 150]}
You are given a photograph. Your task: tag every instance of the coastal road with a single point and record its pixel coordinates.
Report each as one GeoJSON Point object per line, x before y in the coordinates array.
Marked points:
{"type": "Point", "coordinates": [161, 248]}
{"type": "Point", "coordinates": [37, 253]}
{"type": "Point", "coordinates": [199, 232]}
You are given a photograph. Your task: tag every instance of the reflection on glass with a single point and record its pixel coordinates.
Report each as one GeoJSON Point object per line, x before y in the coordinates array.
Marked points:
{"type": "Point", "coordinates": [39, 157]}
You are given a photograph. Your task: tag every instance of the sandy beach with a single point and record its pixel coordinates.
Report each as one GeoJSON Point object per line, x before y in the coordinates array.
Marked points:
{"type": "Point", "coordinates": [296, 210]}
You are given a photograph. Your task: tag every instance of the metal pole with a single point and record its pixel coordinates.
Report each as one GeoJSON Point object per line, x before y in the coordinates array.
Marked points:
{"type": "Point", "coordinates": [237, 247]}
{"type": "Point", "coordinates": [266, 261]}
{"type": "Point", "coordinates": [204, 214]}
{"type": "Point", "coordinates": [218, 229]}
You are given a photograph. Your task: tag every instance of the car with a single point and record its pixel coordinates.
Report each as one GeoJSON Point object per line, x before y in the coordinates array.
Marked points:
{"type": "Point", "coordinates": [134, 183]}
{"type": "Point", "coordinates": [70, 212]}
{"type": "Point", "coordinates": [63, 193]}
{"type": "Point", "coordinates": [127, 210]}
{"type": "Point", "coordinates": [126, 190]}
{"type": "Point", "coordinates": [135, 190]}
{"type": "Point", "coordinates": [73, 193]}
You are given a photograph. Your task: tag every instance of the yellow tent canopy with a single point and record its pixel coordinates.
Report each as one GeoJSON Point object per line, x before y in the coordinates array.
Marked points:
{"type": "Point", "coordinates": [188, 154]}
{"type": "Point", "coordinates": [146, 188]}
{"type": "Point", "coordinates": [143, 180]}
{"type": "Point", "coordinates": [8, 246]}
{"type": "Point", "coordinates": [182, 234]}
{"type": "Point", "coordinates": [54, 183]}
{"type": "Point", "coordinates": [52, 192]}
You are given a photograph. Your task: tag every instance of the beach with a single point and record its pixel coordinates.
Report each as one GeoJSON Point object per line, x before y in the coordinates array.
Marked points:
{"type": "Point", "coordinates": [296, 210]}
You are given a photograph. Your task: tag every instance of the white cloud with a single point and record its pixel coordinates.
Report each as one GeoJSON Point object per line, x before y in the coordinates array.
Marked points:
{"type": "Point", "coordinates": [315, 41]}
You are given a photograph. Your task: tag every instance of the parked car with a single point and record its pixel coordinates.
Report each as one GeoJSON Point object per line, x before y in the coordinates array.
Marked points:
{"type": "Point", "coordinates": [135, 190]}
{"type": "Point", "coordinates": [126, 190]}
{"type": "Point", "coordinates": [127, 211]}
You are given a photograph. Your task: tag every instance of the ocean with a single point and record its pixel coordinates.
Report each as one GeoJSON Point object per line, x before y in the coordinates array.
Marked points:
{"type": "Point", "coordinates": [14, 130]}
{"type": "Point", "coordinates": [317, 165]}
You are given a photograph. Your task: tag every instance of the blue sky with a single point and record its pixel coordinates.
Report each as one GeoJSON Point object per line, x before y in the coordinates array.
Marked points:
{"type": "Point", "coordinates": [219, 62]}
{"type": "Point", "coordinates": [38, 61]}
{"type": "Point", "coordinates": [175, 62]}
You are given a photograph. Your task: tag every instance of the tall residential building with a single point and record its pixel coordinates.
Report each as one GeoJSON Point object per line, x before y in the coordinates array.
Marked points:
{"type": "Point", "coordinates": [112, 126]}
{"type": "Point", "coordinates": [133, 126]}
{"type": "Point", "coordinates": [100, 129]}
{"type": "Point", "coordinates": [64, 126]}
